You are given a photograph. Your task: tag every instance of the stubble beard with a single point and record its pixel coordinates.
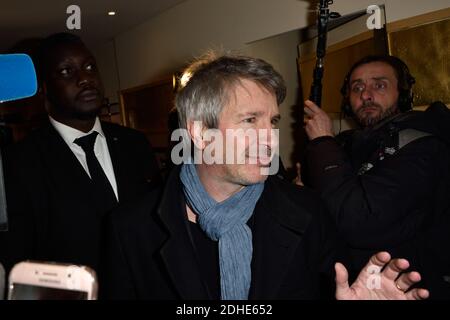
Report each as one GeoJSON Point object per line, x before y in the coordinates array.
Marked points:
{"type": "Point", "coordinates": [367, 120]}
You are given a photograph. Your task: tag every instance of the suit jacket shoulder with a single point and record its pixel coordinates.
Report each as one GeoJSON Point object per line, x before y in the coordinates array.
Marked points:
{"type": "Point", "coordinates": [116, 129]}
{"type": "Point", "coordinates": [131, 148]}
{"type": "Point", "coordinates": [299, 204]}
{"type": "Point", "coordinates": [50, 196]}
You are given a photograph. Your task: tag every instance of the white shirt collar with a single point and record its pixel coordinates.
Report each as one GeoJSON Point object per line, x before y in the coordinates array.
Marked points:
{"type": "Point", "coordinates": [69, 134]}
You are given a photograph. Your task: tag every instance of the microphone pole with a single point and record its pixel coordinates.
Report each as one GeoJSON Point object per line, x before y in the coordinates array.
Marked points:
{"type": "Point", "coordinates": [323, 15]}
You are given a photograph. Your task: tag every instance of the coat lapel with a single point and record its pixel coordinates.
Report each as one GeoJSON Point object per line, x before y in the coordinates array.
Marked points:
{"type": "Point", "coordinates": [278, 228]}
{"type": "Point", "coordinates": [62, 165]}
{"type": "Point", "coordinates": [178, 253]}
{"type": "Point", "coordinates": [118, 159]}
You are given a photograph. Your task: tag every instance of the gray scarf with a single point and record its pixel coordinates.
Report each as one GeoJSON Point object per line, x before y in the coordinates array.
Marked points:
{"type": "Point", "coordinates": [226, 222]}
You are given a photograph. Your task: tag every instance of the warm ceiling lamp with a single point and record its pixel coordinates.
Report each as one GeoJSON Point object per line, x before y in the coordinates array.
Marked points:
{"type": "Point", "coordinates": [111, 13]}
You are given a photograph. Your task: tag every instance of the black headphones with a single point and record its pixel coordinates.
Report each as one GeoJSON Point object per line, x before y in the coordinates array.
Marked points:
{"type": "Point", "coordinates": [404, 78]}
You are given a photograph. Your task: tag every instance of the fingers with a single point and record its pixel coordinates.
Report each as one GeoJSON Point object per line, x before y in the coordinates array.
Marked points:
{"type": "Point", "coordinates": [341, 278]}
{"type": "Point", "coordinates": [406, 280]}
{"type": "Point", "coordinates": [317, 122]}
{"type": "Point", "coordinates": [311, 107]}
{"type": "Point", "coordinates": [313, 112]}
{"type": "Point", "coordinates": [375, 264]}
{"type": "Point", "coordinates": [395, 267]}
{"type": "Point", "coordinates": [308, 112]}
{"type": "Point", "coordinates": [379, 260]}
{"type": "Point", "coordinates": [417, 294]}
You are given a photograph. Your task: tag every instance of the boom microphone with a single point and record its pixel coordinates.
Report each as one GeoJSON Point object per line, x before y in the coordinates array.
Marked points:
{"type": "Point", "coordinates": [323, 15]}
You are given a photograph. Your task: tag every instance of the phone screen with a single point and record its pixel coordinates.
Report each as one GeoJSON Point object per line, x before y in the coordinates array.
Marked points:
{"type": "Point", "coordinates": [31, 292]}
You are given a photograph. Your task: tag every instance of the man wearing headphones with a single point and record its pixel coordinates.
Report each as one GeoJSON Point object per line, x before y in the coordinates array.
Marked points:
{"type": "Point", "coordinates": [385, 183]}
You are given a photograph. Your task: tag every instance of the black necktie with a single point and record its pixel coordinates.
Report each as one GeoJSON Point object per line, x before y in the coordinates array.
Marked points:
{"type": "Point", "coordinates": [103, 189]}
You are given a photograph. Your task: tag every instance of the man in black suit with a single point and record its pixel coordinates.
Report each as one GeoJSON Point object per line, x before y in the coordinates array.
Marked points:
{"type": "Point", "coordinates": [64, 178]}
{"type": "Point", "coordinates": [221, 228]}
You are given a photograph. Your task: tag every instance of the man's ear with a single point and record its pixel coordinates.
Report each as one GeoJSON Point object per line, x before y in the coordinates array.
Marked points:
{"type": "Point", "coordinates": [196, 129]}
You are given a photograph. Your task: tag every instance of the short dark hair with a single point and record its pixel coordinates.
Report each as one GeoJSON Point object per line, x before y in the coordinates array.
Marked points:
{"type": "Point", "coordinates": [405, 80]}
{"type": "Point", "coordinates": [50, 43]}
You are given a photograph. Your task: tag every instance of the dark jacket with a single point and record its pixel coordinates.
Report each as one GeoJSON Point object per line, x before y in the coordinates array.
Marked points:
{"type": "Point", "coordinates": [151, 255]}
{"type": "Point", "coordinates": [401, 204]}
{"type": "Point", "coordinates": [54, 214]}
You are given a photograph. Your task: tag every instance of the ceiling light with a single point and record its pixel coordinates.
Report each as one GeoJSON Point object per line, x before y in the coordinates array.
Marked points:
{"type": "Point", "coordinates": [111, 13]}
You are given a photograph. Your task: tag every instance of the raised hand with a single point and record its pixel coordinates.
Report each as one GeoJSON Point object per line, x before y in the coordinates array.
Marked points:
{"type": "Point", "coordinates": [381, 279]}
{"type": "Point", "coordinates": [318, 123]}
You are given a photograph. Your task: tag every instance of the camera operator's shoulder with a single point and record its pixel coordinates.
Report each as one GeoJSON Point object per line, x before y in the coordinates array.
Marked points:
{"type": "Point", "coordinates": [136, 212]}
{"type": "Point", "coordinates": [296, 204]}
{"type": "Point", "coordinates": [122, 132]}
{"type": "Point", "coordinates": [302, 210]}
{"type": "Point", "coordinates": [298, 194]}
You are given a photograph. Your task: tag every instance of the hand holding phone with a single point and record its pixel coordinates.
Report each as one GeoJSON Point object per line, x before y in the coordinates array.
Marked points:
{"type": "Point", "coordinates": [51, 281]}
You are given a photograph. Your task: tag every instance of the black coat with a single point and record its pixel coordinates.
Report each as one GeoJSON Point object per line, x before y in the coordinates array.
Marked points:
{"type": "Point", "coordinates": [400, 205]}
{"type": "Point", "coordinates": [53, 211]}
{"type": "Point", "coordinates": [150, 254]}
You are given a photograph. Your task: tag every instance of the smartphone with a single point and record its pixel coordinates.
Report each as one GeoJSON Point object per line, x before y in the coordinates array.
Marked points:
{"type": "Point", "coordinates": [32, 280]}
